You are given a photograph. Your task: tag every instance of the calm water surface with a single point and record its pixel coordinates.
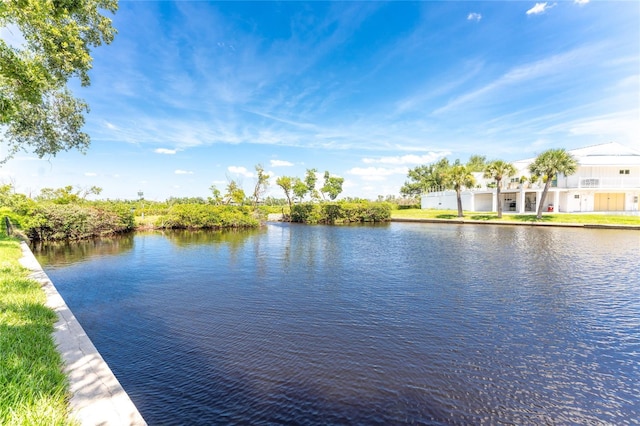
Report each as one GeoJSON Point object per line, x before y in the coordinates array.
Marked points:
{"type": "Point", "coordinates": [393, 324]}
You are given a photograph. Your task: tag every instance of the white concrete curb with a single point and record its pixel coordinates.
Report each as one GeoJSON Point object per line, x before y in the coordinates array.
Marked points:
{"type": "Point", "coordinates": [97, 396]}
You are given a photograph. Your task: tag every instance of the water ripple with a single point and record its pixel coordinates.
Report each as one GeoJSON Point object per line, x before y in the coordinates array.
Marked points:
{"type": "Point", "coordinates": [402, 324]}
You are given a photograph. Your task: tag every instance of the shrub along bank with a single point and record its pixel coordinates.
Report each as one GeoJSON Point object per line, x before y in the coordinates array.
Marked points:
{"type": "Point", "coordinates": [48, 221]}
{"type": "Point", "coordinates": [206, 216]}
{"type": "Point", "coordinates": [340, 212]}
{"type": "Point", "coordinates": [63, 215]}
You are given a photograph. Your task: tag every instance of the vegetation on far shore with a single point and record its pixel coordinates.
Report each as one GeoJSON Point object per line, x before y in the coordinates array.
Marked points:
{"type": "Point", "coordinates": [33, 386]}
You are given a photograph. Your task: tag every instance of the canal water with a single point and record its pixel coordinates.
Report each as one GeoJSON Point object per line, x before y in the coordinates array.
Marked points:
{"type": "Point", "coordinates": [391, 324]}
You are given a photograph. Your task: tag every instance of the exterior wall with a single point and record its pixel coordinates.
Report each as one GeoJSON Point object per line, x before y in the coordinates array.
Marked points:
{"type": "Point", "coordinates": [607, 179]}
{"type": "Point", "coordinates": [602, 177]}
{"type": "Point", "coordinates": [591, 201]}
{"type": "Point", "coordinates": [483, 202]}
{"type": "Point", "coordinates": [446, 200]}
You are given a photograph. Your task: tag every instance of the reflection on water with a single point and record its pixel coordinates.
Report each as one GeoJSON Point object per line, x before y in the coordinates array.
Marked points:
{"type": "Point", "coordinates": [68, 252]}
{"type": "Point", "coordinates": [402, 323]}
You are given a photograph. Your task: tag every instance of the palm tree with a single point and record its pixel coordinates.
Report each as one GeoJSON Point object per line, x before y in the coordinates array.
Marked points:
{"type": "Point", "coordinates": [547, 166]}
{"type": "Point", "coordinates": [498, 169]}
{"type": "Point", "coordinates": [458, 176]}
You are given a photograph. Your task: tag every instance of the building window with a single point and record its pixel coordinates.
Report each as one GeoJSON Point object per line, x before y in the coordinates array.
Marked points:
{"type": "Point", "coordinates": [624, 171]}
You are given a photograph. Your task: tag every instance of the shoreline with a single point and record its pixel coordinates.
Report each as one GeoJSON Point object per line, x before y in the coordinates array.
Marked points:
{"type": "Point", "coordinates": [97, 397]}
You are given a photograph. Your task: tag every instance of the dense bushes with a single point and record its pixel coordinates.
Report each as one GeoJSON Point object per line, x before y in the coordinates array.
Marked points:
{"type": "Point", "coordinates": [331, 213]}
{"type": "Point", "coordinates": [205, 216]}
{"type": "Point", "coordinates": [49, 218]}
{"type": "Point", "coordinates": [49, 221]}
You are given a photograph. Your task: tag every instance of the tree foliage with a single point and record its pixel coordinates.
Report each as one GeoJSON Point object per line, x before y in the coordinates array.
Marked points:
{"type": "Point", "coordinates": [50, 221]}
{"type": "Point", "coordinates": [262, 183]}
{"type": "Point", "coordinates": [216, 196]}
{"type": "Point", "coordinates": [67, 194]}
{"type": "Point", "coordinates": [38, 113]}
{"type": "Point", "coordinates": [332, 186]}
{"type": "Point", "coordinates": [286, 183]}
{"type": "Point", "coordinates": [300, 188]}
{"type": "Point", "coordinates": [310, 180]}
{"type": "Point", "coordinates": [341, 212]}
{"type": "Point", "coordinates": [547, 166]}
{"type": "Point", "coordinates": [477, 163]}
{"type": "Point", "coordinates": [498, 169]}
{"type": "Point", "coordinates": [235, 194]}
{"type": "Point", "coordinates": [425, 178]}
{"type": "Point", "coordinates": [457, 177]}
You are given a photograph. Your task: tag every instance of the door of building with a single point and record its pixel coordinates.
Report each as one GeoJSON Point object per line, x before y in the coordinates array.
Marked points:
{"type": "Point", "coordinates": [609, 201]}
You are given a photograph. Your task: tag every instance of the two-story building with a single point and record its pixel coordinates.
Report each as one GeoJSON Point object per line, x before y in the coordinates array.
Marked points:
{"type": "Point", "coordinates": [607, 180]}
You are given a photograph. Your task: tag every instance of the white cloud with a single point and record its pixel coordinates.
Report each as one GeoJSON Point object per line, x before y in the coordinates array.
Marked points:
{"type": "Point", "coordinates": [408, 159]}
{"type": "Point", "coordinates": [90, 174]}
{"type": "Point", "coordinates": [183, 172]}
{"type": "Point", "coordinates": [110, 126]}
{"type": "Point", "coordinates": [376, 173]}
{"type": "Point", "coordinates": [239, 170]}
{"type": "Point", "coordinates": [474, 17]}
{"type": "Point", "coordinates": [165, 151]}
{"type": "Point", "coordinates": [581, 2]}
{"type": "Point", "coordinates": [540, 8]}
{"type": "Point", "coordinates": [280, 163]}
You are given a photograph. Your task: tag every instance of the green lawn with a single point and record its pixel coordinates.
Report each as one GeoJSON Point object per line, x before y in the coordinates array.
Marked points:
{"type": "Point", "coordinates": [591, 218]}
{"type": "Point", "coordinates": [33, 388]}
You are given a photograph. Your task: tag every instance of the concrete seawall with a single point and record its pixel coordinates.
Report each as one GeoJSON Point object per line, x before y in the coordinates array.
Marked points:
{"type": "Point", "coordinates": [97, 398]}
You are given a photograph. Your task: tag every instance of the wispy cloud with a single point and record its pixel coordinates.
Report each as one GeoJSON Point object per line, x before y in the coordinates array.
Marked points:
{"type": "Point", "coordinates": [540, 8]}
{"type": "Point", "coordinates": [280, 163]}
{"type": "Point", "coordinates": [110, 126]}
{"type": "Point", "coordinates": [581, 2]}
{"type": "Point", "coordinates": [165, 151]}
{"type": "Point", "coordinates": [619, 125]}
{"type": "Point", "coordinates": [376, 173]}
{"type": "Point", "coordinates": [408, 159]}
{"type": "Point", "coordinates": [183, 172]}
{"type": "Point", "coordinates": [473, 16]}
{"type": "Point", "coordinates": [90, 174]}
{"type": "Point", "coordinates": [550, 66]}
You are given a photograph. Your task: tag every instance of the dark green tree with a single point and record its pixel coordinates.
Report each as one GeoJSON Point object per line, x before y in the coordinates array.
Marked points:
{"type": "Point", "coordinates": [38, 113]}
{"type": "Point", "coordinates": [425, 178]}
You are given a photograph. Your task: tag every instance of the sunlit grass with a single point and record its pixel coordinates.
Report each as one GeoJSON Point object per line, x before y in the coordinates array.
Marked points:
{"type": "Point", "coordinates": [33, 388]}
{"type": "Point", "coordinates": [590, 219]}
{"type": "Point", "coordinates": [148, 221]}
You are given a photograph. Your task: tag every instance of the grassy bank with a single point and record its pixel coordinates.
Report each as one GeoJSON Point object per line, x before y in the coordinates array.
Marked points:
{"type": "Point", "coordinates": [33, 388]}
{"type": "Point", "coordinates": [590, 219]}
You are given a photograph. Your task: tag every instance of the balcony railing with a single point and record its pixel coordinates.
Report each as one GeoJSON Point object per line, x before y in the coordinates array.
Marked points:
{"type": "Point", "coordinates": [600, 182]}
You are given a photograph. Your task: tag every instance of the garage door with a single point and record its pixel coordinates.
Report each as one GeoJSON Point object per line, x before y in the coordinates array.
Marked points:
{"type": "Point", "coordinates": [609, 202]}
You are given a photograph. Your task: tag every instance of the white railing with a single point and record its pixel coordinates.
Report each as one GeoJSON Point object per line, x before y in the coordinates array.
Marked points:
{"type": "Point", "coordinates": [625, 182]}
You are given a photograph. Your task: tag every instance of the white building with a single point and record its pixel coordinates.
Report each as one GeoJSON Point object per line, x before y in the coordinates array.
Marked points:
{"type": "Point", "coordinates": [607, 180]}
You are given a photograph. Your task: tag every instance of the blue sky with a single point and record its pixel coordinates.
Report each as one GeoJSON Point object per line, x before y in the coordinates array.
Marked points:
{"type": "Point", "coordinates": [195, 93]}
